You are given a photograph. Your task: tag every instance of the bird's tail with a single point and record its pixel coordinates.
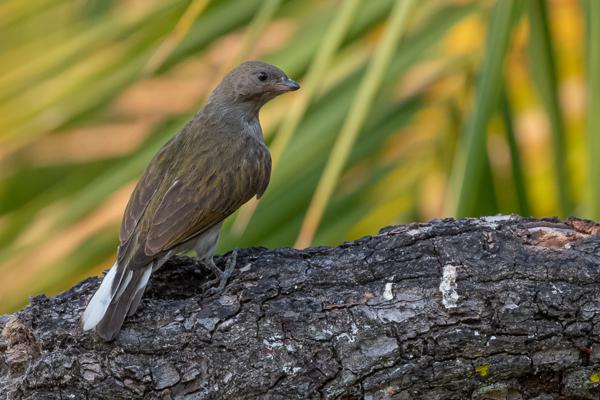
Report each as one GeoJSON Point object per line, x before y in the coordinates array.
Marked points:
{"type": "Point", "coordinates": [119, 295]}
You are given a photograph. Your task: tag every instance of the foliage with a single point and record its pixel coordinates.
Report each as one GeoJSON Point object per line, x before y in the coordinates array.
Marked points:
{"type": "Point", "coordinates": [406, 114]}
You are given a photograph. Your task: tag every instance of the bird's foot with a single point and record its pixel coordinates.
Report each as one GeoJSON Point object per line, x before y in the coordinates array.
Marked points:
{"type": "Point", "coordinates": [221, 277]}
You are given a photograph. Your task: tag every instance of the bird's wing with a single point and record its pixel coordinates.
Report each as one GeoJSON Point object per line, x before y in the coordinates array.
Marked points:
{"type": "Point", "coordinates": [146, 187]}
{"type": "Point", "coordinates": [221, 182]}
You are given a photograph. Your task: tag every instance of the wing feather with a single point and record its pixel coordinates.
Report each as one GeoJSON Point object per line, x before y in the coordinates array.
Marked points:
{"type": "Point", "coordinates": [175, 201]}
{"type": "Point", "coordinates": [197, 203]}
{"type": "Point", "coordinates": [145, 189]}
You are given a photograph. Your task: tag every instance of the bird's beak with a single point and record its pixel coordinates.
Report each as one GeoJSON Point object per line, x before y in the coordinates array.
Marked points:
{"type": "Point", "coordinates": [292, 85]}
{"type": "Point", "coordinates": [288, 85]}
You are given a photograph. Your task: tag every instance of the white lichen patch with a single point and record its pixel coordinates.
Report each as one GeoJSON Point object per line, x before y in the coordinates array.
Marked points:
{"type": "Point", "coordinates": [272, 345]}
{"type": "Point", "coordinates": [497, 218]}
{"type": "Point", "coordinates": [349, 338]}
{"type": "Point", "coordinates": [419, 231]}
{"type": "Point", "coordinates": [290, 370]}
{"type": "Point", "coordinates": [387, 291]}
{"type": "Point", "coordinates": [273, 342]}
{"type": "Point", "coordinates": [246, 267]}
{"type": "Point", "coordinates": [448, 287]}
{"type": "Point", "coordinates": [556, 289]}
{"type": "Point", "coordinates": [493, 220]}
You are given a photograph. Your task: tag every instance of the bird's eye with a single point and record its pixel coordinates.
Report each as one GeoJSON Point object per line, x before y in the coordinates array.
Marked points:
{"type": "Point", "coordinates": [262, 76]}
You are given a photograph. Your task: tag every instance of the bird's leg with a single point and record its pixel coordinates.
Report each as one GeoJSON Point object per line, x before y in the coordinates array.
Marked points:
{"type": "Point", "coordinates": [222, 277]}
{"type": "Point", "coordinates": [229, 267]}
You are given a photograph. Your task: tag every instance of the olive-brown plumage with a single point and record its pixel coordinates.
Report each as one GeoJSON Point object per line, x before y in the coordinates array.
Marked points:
{"type": "Point", "coordinates": [212, 166]}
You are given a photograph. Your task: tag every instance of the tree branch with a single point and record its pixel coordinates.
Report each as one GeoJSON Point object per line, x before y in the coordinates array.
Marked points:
{"type": "Point", "coordinates": [492, 308]}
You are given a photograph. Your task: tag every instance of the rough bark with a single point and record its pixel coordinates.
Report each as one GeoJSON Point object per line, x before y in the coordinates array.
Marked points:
{"type": "Point", "coordinates": [492, 308]}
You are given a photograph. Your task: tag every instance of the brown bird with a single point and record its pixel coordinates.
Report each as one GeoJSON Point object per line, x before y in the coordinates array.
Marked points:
{"type": "Point", "coordinates": [212, 166]}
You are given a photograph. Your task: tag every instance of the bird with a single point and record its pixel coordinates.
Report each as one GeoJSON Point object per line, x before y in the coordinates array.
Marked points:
{"type": "Point", "coordinates": [213, 165]}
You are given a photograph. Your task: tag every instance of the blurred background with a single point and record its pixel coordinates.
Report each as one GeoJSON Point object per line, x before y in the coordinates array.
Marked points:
{"type": "Point", "coordinates": [409, 110]}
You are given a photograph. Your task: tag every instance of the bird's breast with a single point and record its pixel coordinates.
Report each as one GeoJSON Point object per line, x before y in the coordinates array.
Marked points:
{"type": "Point", "coordinates": [252, 128]}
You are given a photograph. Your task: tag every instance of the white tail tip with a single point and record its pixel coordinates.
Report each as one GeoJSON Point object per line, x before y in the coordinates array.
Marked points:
{"type": "Point", "coordinates": [97, 306]}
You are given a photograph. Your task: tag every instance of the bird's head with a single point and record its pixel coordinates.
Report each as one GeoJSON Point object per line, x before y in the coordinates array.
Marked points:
{"type": "Point", "coordinates": [254, 82]}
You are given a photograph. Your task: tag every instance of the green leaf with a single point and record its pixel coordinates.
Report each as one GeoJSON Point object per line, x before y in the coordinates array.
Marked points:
{"type": "Point", "coordinates": [592, 209]}
{"type": "Point", "coordinates": [469, 164]}
{"type": "Point", "coordinates": [518, 173]}
{"type": "Point", "coordinates": [361, 105]}
{"type": "Point", "coordinates": [543, 72]}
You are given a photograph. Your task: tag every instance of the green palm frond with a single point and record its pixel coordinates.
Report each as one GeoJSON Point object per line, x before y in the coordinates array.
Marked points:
{"type": "Point", "coordinates": [390, 126]}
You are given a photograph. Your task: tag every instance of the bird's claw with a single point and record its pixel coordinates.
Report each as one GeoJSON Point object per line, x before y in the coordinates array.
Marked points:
{"type": "Point", "coordinates": [221, 277]}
